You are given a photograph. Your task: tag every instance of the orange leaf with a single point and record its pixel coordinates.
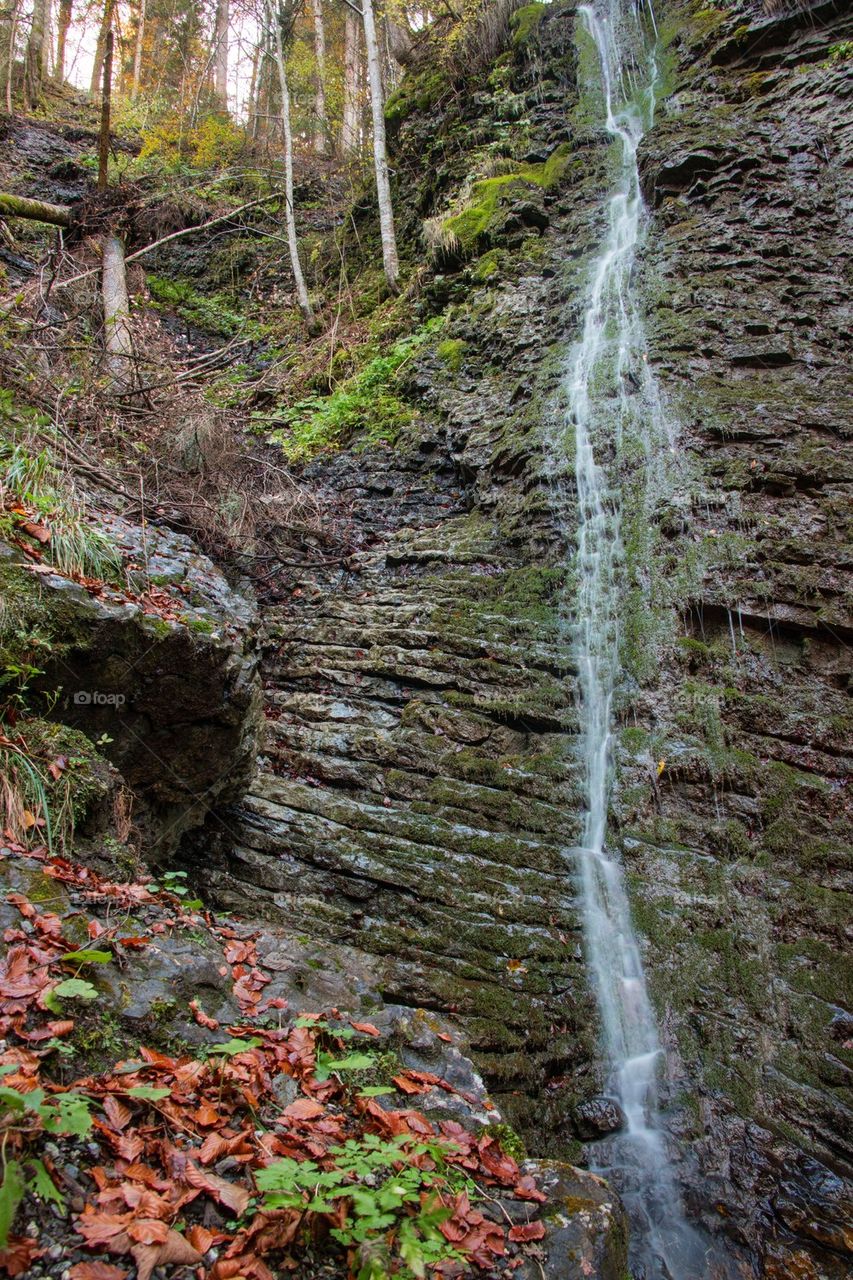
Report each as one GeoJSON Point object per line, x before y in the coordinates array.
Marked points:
{"type": "Point", "coordinates": [40, 532]}
{"type": "Point", "coordinates": [405, 1085]}
{"type": "Point", "coordinates": [303, 1109]}
{"type": "Point", "coordinates": [148, 1231]}
{"type": "Point", "coordinates": [173, 1251]}
{"type": "Point", "coordinates": [96, 1270]}
{"type": "Point", "coordinates": [527, 1231]}
{"type": "Point", "coordinates": [203, 1019]}
{"type": "Point", "coordinates": [200, 1238]}
{"type": "Point", "coordinates": [118, 1114]}
{"type": "Point", "coordinates": [367, 1027]}
{"type": "Point", "coordinates": [19, 1255]}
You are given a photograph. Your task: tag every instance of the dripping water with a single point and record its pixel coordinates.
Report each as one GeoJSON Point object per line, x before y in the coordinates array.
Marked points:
{"type": "Point", "coordinates": [613, 399]}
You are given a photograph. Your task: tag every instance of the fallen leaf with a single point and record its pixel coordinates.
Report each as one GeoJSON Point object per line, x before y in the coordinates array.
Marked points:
{"type": "Point", "coordinates": [19, 1255]}
{"type": "Point", "coordinates": [527, 1231]}
{"type": "Point", "coordinates": [40, 532]}
{"type": "Point", "coordinates": [367, 1027]}
{"type": "Point", "coordinates": [199, 1237]}
{"type": "Point", "coordinates": [203, 1019]}
{"type": "Point", "coordinates": [304, 1109]}
{"type": "Point", "coordinates": [175, 1250]}
{"type": "Point", "coordinates": [96, 1270]}
{"type": "Point", "coordinates": [148, 1231]}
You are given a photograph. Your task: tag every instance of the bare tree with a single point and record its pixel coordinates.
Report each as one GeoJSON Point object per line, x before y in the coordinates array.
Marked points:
{"type": "Point", "coordinates": [62, 25]}
{"type": "Point", "coordinates": [8, 33]}
{"type": "Point", "coordinates": [380, 150]}
{"type": "Point", "coordinates": [350, 128]}
{"type": "Point", "coordinates": [137, 52]}
{"type": "Point", "coordinates": [100, 48]}
{"type": "Point", "coordinates": [34, 59]}
{"type": "Point", "coordinates": [274, 21]}
{"type": "Point", "coordinates": [321, 123]}
{"type": "Point", "coordinates": [220, 60]}
{"type": "Point", "coordinates": [118, 337]}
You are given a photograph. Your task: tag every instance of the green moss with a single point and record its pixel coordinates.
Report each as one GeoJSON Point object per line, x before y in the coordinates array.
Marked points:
{"type": "Point", "coordinates": [370, 404]}
{"type": "Point", "coordinates": [201, 625]}
{"type": "Point", "coordinates": [525, 21]}
{"type": "Point", "coordinates": [484, 209]}
{"type": "Point", "coordinates": [418, 92]}
{"type": "Point", "coordinates": [488, 266]}
{"type": "Point", "coordinates": [211, 312]}
{"type": "Point", "coordinates": [451, 352]}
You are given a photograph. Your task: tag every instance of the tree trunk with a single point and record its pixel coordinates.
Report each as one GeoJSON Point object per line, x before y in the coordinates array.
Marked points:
{"type": "Point", "coordinates": [380, 151]}
{"type": "Point", "coordinates": [290, 216]}
{"type": "Point", "coordinates": [34, 58]}
{"type": "Point", "coordinates": [58, 215]}
{"type": "Point", "coordinates": [8, 31]}
{"type": "Point", "coordinates": [252, 102]}
{"type": "Point", "coordinates": [350, 131]}
{"type": "Point", "coordinates": [100, 49]}
{"type": "Point", "coordinates": [137, 52]}
{"type": "Point", "coordinates": [63, 23]}
{"type": "Point", "coordinates": [220, 61]}
{"type": "Point", "coordinates": [321, 123]}
{"type": "Point", "coordinates": [106, 103]}
{"type": "Point", "coordinates": [118, 338]}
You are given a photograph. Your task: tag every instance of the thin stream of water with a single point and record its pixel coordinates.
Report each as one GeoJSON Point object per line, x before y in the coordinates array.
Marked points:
{"type": "Point", "coordinates": [612, 397]}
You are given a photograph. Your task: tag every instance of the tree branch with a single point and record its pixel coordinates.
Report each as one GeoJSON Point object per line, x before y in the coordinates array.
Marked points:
{"type": "Point", "coordinates": [202, 226]}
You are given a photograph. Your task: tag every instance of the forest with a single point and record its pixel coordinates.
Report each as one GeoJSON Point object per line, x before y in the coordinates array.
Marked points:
{"type": "Point", "coordinates": [425, 624]}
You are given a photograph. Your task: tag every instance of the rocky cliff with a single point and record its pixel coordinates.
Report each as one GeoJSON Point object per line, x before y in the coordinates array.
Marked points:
{"type": "Point", "coordinates": [420, 784]}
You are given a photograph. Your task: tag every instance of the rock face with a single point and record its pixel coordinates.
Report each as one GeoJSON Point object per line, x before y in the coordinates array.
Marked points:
{"type": "Point", "coordinates": [172, 697]}
{"type": "Point", "coordinates": [420, 796]}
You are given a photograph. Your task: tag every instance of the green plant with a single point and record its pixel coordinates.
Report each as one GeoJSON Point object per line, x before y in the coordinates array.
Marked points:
{"type": "Point", "coordinates": [22, 1117]}
{"type": "Point", "coordinates": [368, 402]}
{"type": "Point", "coordinates": [839, 52]}
{"type": "Point", "coordinates": [395, 1195]}
{"type": "Point", "coordinates": [37, 501]}
{"type": "Point", "coordinates": [174, 882]}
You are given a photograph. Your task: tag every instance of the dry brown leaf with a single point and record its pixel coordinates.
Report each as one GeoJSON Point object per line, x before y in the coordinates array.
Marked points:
{"type": "Point", "coordinates": [96, 1270]}
{"type": "Point", "coordinates": [303, 1109]}
{"type": "Point", "coordinates": [148, 1231]}
{"type": "Point", "coordinates": [174, 1251]}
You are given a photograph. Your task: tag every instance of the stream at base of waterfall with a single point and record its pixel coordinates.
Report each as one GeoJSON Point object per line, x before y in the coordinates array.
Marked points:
{"type": "Point", "coordinates": [611, 396]}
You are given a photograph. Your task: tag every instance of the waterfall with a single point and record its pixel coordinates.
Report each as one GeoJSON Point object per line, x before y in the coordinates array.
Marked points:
{"type": "Point", "coordinates": [613, 399]}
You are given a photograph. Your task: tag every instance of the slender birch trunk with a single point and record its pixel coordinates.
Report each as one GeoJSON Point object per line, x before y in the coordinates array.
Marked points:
{"type": "Point", "coordinates": [118, 336]}
{"type": "Point", "coordinates": [137, 52]}
{"type": "Point", "coordinates": [252, 103]}
{"type": "Point", "coordinates": [9, 30]}
{"type": "Point", "coordinates": [380, 150]}
{"type": "Point", "coordinates": [321, 123]}
{"type": "Point", "coordinates": [220, 62]}
{"type": "Point", "coordinates": [62, 24]}
{"type": "Point", "coordinates": [350, 130]}
{"type": "Point", "coordinates": [290, 217]}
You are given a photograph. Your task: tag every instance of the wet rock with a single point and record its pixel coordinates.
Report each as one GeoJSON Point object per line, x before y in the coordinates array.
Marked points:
{"type": "Point", "coordinates": [182, 745]}
{"type": "Point", "coordinates": [597, 1117]}
{"type": "Point", "coordinates": [586, 1226]}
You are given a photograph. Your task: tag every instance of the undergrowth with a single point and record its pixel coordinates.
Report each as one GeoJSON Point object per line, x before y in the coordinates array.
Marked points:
{"type": "Point", "coordinates": [369, 404]}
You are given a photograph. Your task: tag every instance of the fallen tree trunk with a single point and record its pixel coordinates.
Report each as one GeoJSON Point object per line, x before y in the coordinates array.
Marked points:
{"type": "Point", "coordinates": [58, 215]}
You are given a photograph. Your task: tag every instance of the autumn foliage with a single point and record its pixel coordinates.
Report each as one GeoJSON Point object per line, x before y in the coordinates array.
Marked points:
{"type": "Point", "coordinates": [186, 1145]}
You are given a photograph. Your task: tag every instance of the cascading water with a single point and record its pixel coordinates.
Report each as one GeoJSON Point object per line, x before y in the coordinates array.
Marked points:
{"type": "Point", "coordinates": [613, 399]}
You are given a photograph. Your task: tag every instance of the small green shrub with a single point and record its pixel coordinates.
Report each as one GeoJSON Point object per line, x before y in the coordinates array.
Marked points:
{"type": "Point", "coordinates": [368, 403]}
{"type": "Point", "coordinates": [394, 1206]}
